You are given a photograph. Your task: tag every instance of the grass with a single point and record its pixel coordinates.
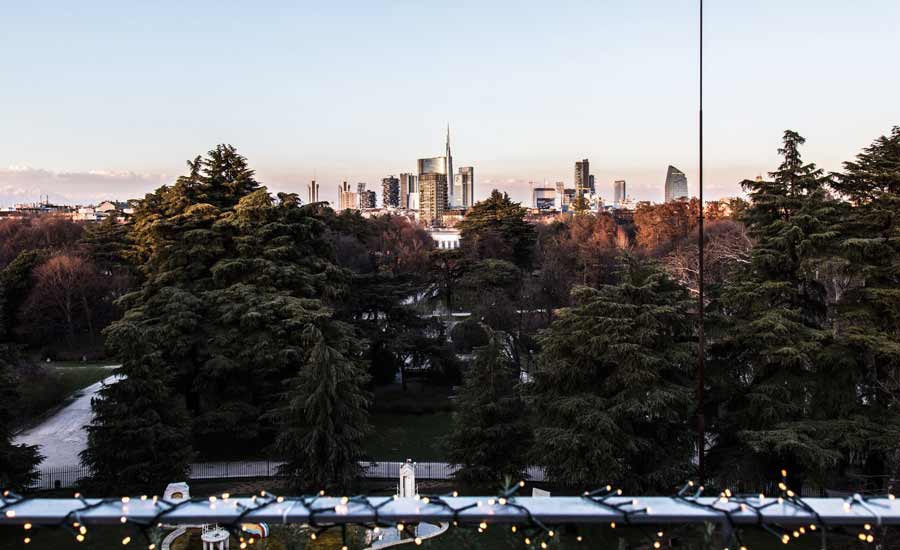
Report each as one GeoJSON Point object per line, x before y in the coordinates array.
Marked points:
{"type": "Point", "coordinates": [402, 436]}
{"type": "Point", "coordinates": [51, 385]}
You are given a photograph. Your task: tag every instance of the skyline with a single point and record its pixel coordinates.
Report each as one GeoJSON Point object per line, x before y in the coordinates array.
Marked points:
{"type": "Point", "coordinates": [109, 101]}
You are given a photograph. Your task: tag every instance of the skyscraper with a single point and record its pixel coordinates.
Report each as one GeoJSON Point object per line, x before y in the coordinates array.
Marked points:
{"type": "Point", "coordinates": [390, 192]}
{"type": "Point", "coordinates": [433, 165]}
{"type": "Point", "coordinates": [591, 184]}
{"type": "Point", "coordinates": [582, 177]}
{"type": "Point", "coordinates": [408, 191]}
{"type": "Point", "coordinates": [347, 199]}
{"type": "Point", "coordinates": [619, 192]}
{"type": "Point", "coordinates": [676, 184]}
{"type": "Point", "coordinates": [464, 188]}
{"type": "Point", "coordinates": [449, 171]}
{"type": "Point", "coordinates": [368, 199]}
{"type": "Point", "coordinates": [432, 198]}
{"type": "Point", "coordinates": [312, 190]}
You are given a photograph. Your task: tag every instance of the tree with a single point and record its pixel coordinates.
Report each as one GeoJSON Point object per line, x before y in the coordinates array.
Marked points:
{"type": "Point", "coordinates": [17, 462]}
{"type": "Point", "coordinates": [325, 419]}
{"type": "Point", "coordinates": [140, 433]}
{"type": "Point", "coordinates": [726, 248]}
{"type": "Point", "coordinates": [496, 228]}
{"type": "Point", "coordinates": [62, 302]}
{"type": "Point", "coordinates": [866, 291]}
{"type": "Point", "coordinates": [490, 436]}
{"type": "Point", "coordinates": [659, 225]}
{"type": "Point", "coordinates": [611, 391]}
{"type": "Point", "coordinates": [232, 279]}
{"type": "Point", "coordinates": [786, 400]}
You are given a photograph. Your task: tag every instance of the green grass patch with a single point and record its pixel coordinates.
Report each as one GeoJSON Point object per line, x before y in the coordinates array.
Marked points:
{"type": "Point", "coordinates": [402, 436]}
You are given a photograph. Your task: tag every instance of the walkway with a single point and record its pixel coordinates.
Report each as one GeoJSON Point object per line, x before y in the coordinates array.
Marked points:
{"type": "Point", "coordinates": [62, 436]}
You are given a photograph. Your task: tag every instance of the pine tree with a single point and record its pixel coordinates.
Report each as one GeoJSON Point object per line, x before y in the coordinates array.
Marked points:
{"type": "Point", "coordinates": [17, 462]}
{"type": "Point", "coordinates": [866, 324]}
{"type": "Point", "coordinates": [230, 285]}
{"type": "Point", "coordinates": [324, 421]}
{"type": "Point", "coordinates": [496, 228]}
{"type": "Point", "coordinates": [771, 382]}
{"type": "Point", "coordinates": [140, 435]}
{"type": "Point", "coordinates": [611, 392]}
{"type": "Point", "coordinates": [490, 437]}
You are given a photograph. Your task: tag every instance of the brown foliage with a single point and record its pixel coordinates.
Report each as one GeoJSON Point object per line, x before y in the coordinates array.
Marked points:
{"type": "Point", "coordinates": [68, 300]}
{"type": "Point", "coordinates": [50, 232]}
{"type": "Point", "coordinates": [659, 225]}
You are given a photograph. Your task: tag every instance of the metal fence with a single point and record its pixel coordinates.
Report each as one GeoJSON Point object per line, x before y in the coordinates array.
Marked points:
{"type": "Point", "coordinates": [64, 477]}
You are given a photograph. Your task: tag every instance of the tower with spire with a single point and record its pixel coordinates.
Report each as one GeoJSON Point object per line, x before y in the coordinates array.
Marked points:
{"type": "Point", "coordinates": [449, 168]}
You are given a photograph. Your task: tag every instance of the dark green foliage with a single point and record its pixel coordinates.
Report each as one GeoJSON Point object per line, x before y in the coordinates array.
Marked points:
{"type": "Point", "coordinates": [611, 389]}
{"type": "Point", "coordinates": [867, 316]}
{"type": "Point", "coordinates": [16, 281]}
{"type": "Point", "coordinates": [496, 228]}
{"type": "Point", "coordinates": [17, 462]}
{"type": "Point", "coordinates": [232, 280]}
{"type": "Point", "coordinates": [140, 436]}
{"type": "Point", "coordinates": [468, 335]}
{"type": "Point", "coordinates": [792, 390]}
{"type": "Point", "coordinates": [325, 419]}
{"type": "Point", "coordinates": [491, 435]}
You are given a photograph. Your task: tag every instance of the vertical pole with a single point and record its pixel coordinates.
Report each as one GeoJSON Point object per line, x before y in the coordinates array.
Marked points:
{"type": "Point", "coordinates": [701, 340]}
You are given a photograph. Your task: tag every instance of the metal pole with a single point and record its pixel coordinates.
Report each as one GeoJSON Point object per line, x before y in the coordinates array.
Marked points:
{"type": "Point", "coordinates": [701, 340]}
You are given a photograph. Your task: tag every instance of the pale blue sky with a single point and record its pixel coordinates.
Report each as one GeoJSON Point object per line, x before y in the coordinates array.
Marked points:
{"type": "Point", "coordinates": [110, 98]}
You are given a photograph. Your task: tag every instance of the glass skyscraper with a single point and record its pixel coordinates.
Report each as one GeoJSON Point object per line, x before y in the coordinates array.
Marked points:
{"type": "Point", "coordinates": [676, 184]}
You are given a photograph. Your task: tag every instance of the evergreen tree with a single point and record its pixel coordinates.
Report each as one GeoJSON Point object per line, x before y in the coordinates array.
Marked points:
{"type": "Point", "coordinates": [325, 420]}
{"type": "Point", "coordinates": [140, 434]}
{"type": "Point", "coordinates": [611, 391]}
{"type": "Point", "coordinates": [232, 279]}
{"type": "Point", "coordinates": [866, 323]}
{"type": "Point", "coordinates": [781, 395]}
{"type": "Point", "coordinates": [17, 462]}
{"type": "Point", "coordinates": [496, 228]}
{"type": "Point", "coordinates": [490, 437]}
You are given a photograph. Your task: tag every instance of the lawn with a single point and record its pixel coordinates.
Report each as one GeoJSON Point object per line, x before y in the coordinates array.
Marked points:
{"type": "Point", "coordinates": [46, 387]}
{"type": "Point", "coordinates": [402, 436]}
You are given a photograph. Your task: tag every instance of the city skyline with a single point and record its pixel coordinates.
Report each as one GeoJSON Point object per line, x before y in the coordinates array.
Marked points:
{"type": "Point", "coordinates": [311, 103]}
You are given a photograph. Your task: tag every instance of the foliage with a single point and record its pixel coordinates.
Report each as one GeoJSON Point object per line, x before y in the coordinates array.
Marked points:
{"type": "Point", "coordinates": [491, 436]}
{"type": "Point", "coordinates": [789, 391]}
{"type": "Point", "coordinates": [658, 225]}
{"type": "Point", "coordinates": [232, 279]}
{"type": "Point", "coordinates": [17, 462]}
{"type": "Point", "coordinates": [325, 420]}
{"type": "Point", "coordinates": [496, 228]}
{"type": "Point", "coordinates": [611, 392]}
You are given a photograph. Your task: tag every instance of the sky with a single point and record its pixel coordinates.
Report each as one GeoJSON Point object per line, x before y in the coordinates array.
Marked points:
{"type": "Point", "coordinates": [109, 99]}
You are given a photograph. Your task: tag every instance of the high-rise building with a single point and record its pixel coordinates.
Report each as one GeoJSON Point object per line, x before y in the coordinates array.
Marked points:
{"type": "Point", "coordinates": [560, 195]}
{"type": "Point", "coordinates": [582, 177]}
{"type": "Point", "coordinates": [619, 192]}
{"type": "Point", "coordinates": [312, 190]}
{"type": "Point", "coordinates": [676, 184]}
{"type": "Point", "coordinates": [390, 192]}
{"type": "Point", "coordinates": [591, 184]}
{"type": "Point", "coordinates": [449, 171]}
{"type": "Point", "coordinates": [432, 198]}
{"type": "Point", "coordinates": [464, 188]}
{"type": "Point", "coordinates": [347, 199]}
{"type": "Point", "coordinates": [434, 165]}
{"type": "Point", "coordinates": [368, 199]}
{"type": "Point", "coordinates": [408, 191]}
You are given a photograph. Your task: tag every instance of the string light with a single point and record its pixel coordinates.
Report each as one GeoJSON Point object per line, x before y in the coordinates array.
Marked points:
{"type": "Point", "coordinates": [726, 506]}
